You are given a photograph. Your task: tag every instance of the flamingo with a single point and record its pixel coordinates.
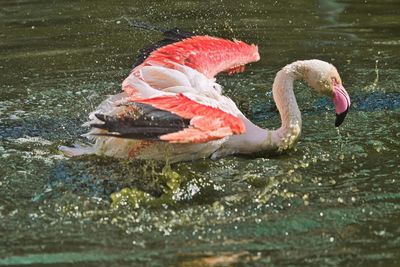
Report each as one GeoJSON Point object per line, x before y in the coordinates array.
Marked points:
{"type": "Point", "coordinates": [172, 109]}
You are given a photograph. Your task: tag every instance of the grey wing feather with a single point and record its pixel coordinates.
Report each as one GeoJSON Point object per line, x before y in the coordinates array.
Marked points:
{"type": "Point", "coordinates": [139, 121]}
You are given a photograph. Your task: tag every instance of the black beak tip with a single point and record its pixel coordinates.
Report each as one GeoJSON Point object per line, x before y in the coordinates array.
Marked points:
{"type": "Point", "coordinates": [340, 117]}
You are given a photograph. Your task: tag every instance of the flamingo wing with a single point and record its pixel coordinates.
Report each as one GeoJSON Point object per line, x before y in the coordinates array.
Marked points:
{"type": "Point", "coordinates": [209, 120]}
{"type": "Point", "coordinates": [206, 54]}
{"type": "Point", "coordinates": [176, 118]}
{"type": "Point", "coordinates": [175, 84]}
{"type": "Point", "coordinates": [203, 54]}
{"type": "Point", "coordinates": [138, 121]}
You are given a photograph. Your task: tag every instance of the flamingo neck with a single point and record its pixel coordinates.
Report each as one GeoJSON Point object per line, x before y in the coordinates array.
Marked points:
{"type": "Point", "coordinates": [289, 132]}
{"type": "Point", "coordinates": [257, 139]}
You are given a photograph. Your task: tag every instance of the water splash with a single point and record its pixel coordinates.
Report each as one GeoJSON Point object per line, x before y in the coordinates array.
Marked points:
{"type": "Point", "coordinates": [372, 87]}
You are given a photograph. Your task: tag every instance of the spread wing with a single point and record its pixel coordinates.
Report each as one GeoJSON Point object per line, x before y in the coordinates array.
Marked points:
{"type": "Point", "coordinates": [174, 95]}
{"type": "Point", "coordinates": [208, 55]}
{"type": "Point", "coordinates": [208, 119]}
{"type": "Point", "coordinates": [203, 54]}
{"type": "Point", "coordinates": [178, 117]}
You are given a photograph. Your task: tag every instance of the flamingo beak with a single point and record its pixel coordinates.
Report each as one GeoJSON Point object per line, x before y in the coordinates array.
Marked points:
{"type": "Point", "coordinates": [341, 99]}
{"type": "Point", "coordinates": [340, 118]}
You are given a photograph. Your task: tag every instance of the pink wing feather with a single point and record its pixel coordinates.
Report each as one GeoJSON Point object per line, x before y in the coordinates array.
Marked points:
{"type": "Point", "coordinates": [207, 123]}
{"type": "Point", "coordinates": [208, 55]}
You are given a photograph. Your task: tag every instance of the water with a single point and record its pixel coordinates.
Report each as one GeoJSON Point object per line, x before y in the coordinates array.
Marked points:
{"type": "Point", "coordinates": [334, 200]}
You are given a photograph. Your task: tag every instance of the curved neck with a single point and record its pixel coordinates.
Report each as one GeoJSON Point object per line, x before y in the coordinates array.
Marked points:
{"type": "Point", "coordinates": [289, 132]}
{"type": "Point", "coordinates": [257, 139]}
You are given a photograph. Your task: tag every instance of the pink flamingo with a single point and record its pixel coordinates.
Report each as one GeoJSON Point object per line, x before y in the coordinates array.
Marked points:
{"type": "Point", "coordinates": [172, 108]}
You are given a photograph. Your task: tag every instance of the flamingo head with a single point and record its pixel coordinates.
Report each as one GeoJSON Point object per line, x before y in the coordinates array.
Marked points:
{"type": "Point", "coordinates": [325, 79]}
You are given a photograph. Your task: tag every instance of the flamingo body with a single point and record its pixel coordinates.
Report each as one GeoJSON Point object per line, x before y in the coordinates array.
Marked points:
{"type": "Point", "coordinates": [172, 109]}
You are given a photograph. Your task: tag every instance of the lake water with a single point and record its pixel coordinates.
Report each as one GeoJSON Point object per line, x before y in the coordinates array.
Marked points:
{"type": "Point", "coordinates": [332, 201]}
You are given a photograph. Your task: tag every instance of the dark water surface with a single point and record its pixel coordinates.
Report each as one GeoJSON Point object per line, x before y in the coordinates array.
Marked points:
{"type": "Point", "coordinates": [333, 201]}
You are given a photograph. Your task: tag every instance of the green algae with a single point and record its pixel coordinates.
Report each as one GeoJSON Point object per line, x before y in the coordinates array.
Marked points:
{"type": "Point", "coordinates": [130, 196]}
{"type": "Point", "coordinates": [136, 198]}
